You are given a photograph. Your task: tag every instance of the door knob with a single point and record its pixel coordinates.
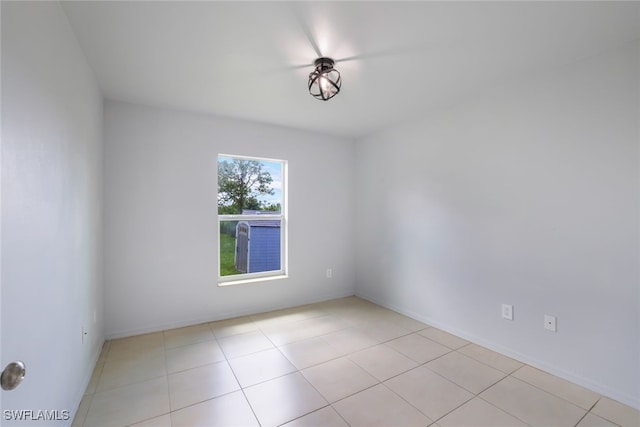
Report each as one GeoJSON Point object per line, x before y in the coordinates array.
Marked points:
{"type": "Point", "coordinates": [12, 375]}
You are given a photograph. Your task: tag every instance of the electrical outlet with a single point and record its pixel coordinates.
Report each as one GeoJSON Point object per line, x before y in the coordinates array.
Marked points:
{"type": "Point", "coordinates": [507, 311]}
{"type": "Point", "coordinates": [550, 323]}
{"type": "Point", "coordinates": [329, 273]}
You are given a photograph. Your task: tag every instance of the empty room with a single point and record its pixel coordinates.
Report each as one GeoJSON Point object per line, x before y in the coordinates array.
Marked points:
{"type": "Point", "coordinates": [343, 213]}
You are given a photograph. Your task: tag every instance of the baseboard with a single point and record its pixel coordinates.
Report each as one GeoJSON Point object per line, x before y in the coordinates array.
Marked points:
{"type": "Point", "coordinates": [87, 380]}
{"type": "Point", "coordinates": [227, 315]}
{"type": "Point", "coordinates": [543, 366]}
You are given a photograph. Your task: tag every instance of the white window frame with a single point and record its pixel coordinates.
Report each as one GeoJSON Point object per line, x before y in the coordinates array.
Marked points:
{"type": "Point", "coordinates": [236, 279]}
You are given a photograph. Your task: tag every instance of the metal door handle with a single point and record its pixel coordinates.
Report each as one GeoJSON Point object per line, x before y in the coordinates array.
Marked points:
{"type": "Point", "coordinates": [12, 375]}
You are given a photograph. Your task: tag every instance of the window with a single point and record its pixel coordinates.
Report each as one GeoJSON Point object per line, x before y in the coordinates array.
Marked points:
{"type": "Point", "coordinates": [252, 220]}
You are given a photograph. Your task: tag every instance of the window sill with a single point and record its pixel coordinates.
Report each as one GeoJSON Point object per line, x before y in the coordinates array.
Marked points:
{"type": "Point", "coordinates": [251, 280]}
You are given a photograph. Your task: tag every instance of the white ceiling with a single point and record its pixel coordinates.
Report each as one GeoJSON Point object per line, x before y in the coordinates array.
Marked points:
{"type": "Point", "coordinates": [242, 59]}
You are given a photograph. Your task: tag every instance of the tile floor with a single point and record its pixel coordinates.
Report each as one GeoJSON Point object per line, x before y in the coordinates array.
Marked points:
{"type": "Point", "coordinates": [343, 362]}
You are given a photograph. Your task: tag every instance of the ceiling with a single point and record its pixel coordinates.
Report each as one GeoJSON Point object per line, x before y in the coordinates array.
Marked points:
{"type": "Point", "coordinates": [251, 60]}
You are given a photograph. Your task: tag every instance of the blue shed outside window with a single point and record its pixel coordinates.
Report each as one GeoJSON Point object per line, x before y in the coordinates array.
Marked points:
{"type": "Point", "coordinates": [257, 246]}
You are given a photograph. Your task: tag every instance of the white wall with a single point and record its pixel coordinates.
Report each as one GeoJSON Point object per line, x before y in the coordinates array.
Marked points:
{"type": "Point", "coordinates": [51, 209]}
{"type": "Point", "coordinates": [527, 195]}
{"type": "Point", "coordinates": [161, 227]}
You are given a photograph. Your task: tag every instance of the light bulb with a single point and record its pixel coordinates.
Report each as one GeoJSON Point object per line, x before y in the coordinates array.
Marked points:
{"type": "Point", "coordinates": [324, 84]}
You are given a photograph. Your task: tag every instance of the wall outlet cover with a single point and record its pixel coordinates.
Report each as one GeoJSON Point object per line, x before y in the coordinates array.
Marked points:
{"type": "Point", "coordinates": [550, 323]}
{"type": "Point", "coordinates": [507, 311]}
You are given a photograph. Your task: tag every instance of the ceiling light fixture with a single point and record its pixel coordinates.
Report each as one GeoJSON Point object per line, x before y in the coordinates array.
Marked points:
{"type": "Point", "coordinates": [325, 81]}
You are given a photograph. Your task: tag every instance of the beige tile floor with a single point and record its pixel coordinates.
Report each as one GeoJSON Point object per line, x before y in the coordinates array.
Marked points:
{"type": "Point", "coordinates": [344, 362]}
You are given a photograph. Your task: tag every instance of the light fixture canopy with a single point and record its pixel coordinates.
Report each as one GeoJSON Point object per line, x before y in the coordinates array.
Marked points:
{"type": "Point", "coordinates": [324, 81]}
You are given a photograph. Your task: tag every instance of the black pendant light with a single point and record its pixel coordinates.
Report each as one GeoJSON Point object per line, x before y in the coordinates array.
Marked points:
{"type": "Point", "coordinates": [324, 82]}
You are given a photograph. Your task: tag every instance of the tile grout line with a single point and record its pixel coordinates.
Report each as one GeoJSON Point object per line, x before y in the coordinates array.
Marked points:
{"type": "Point", "coordinates": [475, 395]}
{"type": "Point", "coordinates": [553, 394]}
{"type": "Point", "coordinates": [502, 410]}
{"type": "Point", "coordinates": [243, 393]}
{"type": "Point", "coordinates": [334, 315]}
{"type": "Point", "coordinates": [166, 371]}
{"type": "Point", "coordinates": [588, 411]}
{"type": "Point", "coordinates": [226, 360]}
{"type": "Point", "coordinates": [596, 415]}
{"type": "Point", "coordinates": [506, 376]}
{"type": "Point", "coordinates": [484, 363]}
{"type": "Point", "coordinates": [166, 376]}
{"type": "Point", "coordinates": [443, 377]}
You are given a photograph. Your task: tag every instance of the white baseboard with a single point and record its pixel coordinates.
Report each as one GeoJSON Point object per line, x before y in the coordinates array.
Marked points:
{"type": "Point", "coordinates": [87, 380]}
{"type": "Point", "coordinates": [227, 315]}
{"type": "Point", "coordinates": [587, 383]}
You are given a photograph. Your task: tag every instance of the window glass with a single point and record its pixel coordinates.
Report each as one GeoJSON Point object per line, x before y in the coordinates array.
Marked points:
{"type": "Point", "coordinates": [251, 218]}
